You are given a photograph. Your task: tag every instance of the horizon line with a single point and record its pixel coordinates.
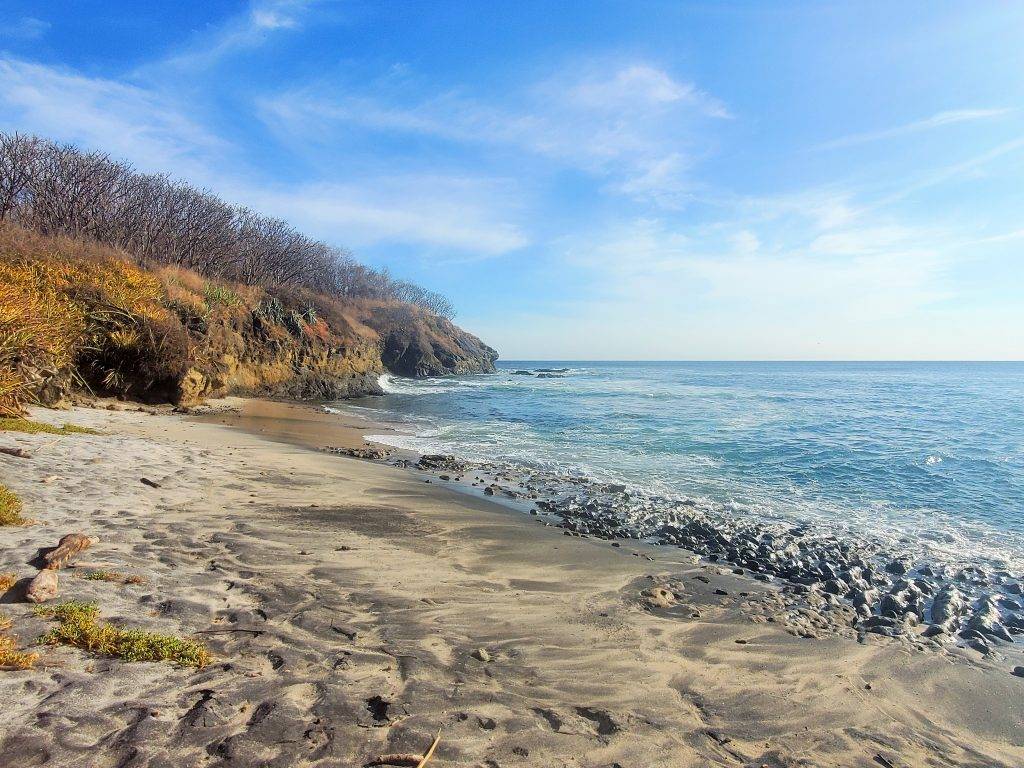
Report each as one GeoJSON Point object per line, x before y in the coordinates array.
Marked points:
{"type": "Point", "coordinates": [746, 360]}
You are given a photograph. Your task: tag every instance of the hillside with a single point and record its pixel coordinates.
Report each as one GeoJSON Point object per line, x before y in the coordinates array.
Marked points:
{"type": "Point", "coordinates": [77, 316]}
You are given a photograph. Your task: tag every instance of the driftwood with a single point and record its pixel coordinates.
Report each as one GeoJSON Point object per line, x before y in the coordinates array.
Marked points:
{"type": "Point", "coordinates": [43, 587]}
{"type": "Point", "coordinates": [405, 758]}
{"type": "Point", "coordinates": [67, 548]}
{"type": "Point", "coordinates": [18, 453]}
{"type": "Point", "coordinates": [398, 758]}
{"type": "Point", "coordinates": [150, 483]}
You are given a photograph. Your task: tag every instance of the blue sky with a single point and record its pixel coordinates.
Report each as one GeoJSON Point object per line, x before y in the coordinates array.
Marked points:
{"type": "Point", "coordinates": [628, 180]}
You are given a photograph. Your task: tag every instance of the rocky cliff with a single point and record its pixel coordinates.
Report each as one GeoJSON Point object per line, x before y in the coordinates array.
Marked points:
{"type": "Point", "coordinates": [416, 343]}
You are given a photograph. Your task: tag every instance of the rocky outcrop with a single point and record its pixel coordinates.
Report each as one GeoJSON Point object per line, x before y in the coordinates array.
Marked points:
{"type": "Point", "coordinates": [417, 343]}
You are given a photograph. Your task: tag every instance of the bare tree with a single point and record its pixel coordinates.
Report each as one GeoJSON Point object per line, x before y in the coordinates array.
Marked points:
{"type": "Point", "coordinates": [59, 189]}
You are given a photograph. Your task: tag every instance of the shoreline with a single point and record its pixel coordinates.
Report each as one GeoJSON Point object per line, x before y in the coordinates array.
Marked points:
{"type": "Point", "coordinates": [353, 609]}
{"type": "Point", "coordinates": [851, 585]}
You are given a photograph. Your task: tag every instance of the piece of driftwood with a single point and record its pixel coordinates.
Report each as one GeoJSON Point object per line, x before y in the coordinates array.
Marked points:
{"type": "Point", "coordinates": [150, 483]}
{"type": "Point", "coordinates": [67, 548]}
{"type": "Point", "coordinates": [406, 758]}
{"type": "Point", "coordinates": [43, 587]}
{"type": "Point", "coordinates": [18, 453]}
{"type": "Point", "coordinates": [398, 758]}
{"type": "Point", "coordinates": [430, 752]}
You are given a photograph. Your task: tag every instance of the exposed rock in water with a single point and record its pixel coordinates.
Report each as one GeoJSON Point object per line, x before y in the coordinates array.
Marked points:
{"type": "Point", "coordinates": [440, 462]}
{"type": "Point", "coordinates": [368, 452]}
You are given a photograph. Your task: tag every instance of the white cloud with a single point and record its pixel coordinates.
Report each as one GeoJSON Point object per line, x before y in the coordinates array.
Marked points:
{"type": "Point", "coordinates": [937, 120]}
{"type": "Point", "coordinates": [25, 28]}
{"type": "Point", "coordinates": [466, 215]}
{"type": "Point", "coordinates": [244, 32]}
{"type": "Point", "coordinates": [633, 125]}
{"type": "Point", "coordinates": [754, 267]}
{"type": "Point", "coordinates": [126, 121]}
{"type": "Point", "coordinates": [462, 214]}
{"type": "Point", "coordinates": [639, 85]}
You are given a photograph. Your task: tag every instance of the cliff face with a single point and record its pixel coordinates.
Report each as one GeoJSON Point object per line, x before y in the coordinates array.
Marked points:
{"type": "Point", "coordinates": [417, 343]}
{"type": "Point", "coordinates": [250, 356]}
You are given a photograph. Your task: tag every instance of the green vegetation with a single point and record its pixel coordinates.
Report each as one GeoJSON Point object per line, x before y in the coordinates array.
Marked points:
{"type": "Point", "coordinates": [79, 626]}
{"type": "Point", "coordinates": [70, 610]}
{"type": "Point", "coordinates": [13, 424]}
{"type": "Point", "coordinates": [10, 508]}
{"type": "Point", "coordinates": [221, 296]}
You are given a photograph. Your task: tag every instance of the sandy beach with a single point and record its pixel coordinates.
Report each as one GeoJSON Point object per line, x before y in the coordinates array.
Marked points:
{"type": "Point", "coordinates": [353, 610]}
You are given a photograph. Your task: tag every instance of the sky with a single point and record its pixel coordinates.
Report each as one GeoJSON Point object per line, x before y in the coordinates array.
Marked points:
{"type": "Point", "coordinates": [599, 180]}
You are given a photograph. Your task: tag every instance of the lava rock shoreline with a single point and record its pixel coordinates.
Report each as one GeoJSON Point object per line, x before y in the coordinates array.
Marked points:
{"type": "Point", "coordinates": [849, 580]}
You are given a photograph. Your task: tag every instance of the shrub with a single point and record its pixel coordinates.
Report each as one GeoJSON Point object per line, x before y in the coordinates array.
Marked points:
{"type": "Point", "coordinates": [79, 627]}
{"type": "Point", "coordinates": [220, 296]}
{"type": "Point", "coordinates": [7, 580]}
{"type": "Point", "coordinates": [11, 657]}
{"type": "Point", "coordinates": [71, 312]}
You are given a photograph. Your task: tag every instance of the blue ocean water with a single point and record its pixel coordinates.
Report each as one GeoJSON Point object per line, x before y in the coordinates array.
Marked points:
{"type": "Point", "coordinates": [930, 452]}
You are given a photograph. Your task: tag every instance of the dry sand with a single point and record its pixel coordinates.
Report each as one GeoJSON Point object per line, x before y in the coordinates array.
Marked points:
{"type": "Point", "coordinates": [346, 603]}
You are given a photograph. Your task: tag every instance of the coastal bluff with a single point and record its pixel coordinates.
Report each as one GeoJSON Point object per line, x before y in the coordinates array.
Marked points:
{"type": "Point", "coordinates": [80, 317]}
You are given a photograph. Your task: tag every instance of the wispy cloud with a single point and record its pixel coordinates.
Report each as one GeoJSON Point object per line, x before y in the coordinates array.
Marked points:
{"type": "Point", "coordinates": [632, 124]}
{"type": "Point", "coordinates": [962, 169]}
{"type": "Point", "coordinates": [25, 28]}
{"type": "Point", "coordinates": [441, 213]}
{"type": "Point", "coordinates": [457, 215]}
{"type": "Point", "coordinates": [124, 120]}
{"type": "Point", "coordinates": [251, 29]}
{"type": "Point", "coordinates": [783, 266]}
{"type": "Point", "coordinates": [937, 120]}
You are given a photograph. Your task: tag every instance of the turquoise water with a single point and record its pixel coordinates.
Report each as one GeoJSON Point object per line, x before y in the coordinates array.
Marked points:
{"type": "Point", "coordinates": [929, 452]}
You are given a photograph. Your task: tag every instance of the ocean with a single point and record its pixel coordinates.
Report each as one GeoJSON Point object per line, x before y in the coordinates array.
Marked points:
{"type": "Point", "coordinates": [929, 454]}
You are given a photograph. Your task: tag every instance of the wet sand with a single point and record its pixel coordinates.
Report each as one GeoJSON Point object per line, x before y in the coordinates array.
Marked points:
{"type": "Point", "coordinates": [354, 610]}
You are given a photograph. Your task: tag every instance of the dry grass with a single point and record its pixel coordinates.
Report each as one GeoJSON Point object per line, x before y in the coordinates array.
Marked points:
{"type": "Point", "coordinates": [7, 580]}
{"type": "Point", "coordinates": [17, 424]}
{"type": "Point", "coordinates": [10, 508]}
{"type": "Point", "coordinates": [75, 314]}
{"type": "Point", "coordinates": [65, 303]}
{"type": "Point", "coordinates": [114, 576]}
{"type": "Point", "coordinates": [11, 657]}
{"type": "Point", "coordinates": [79, 626]}
{"type": "Point", "coordinates": [5, 622]}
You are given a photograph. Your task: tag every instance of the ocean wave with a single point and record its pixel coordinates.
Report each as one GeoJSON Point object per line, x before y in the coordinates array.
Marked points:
{"type": "Point", "coordinates": [398, 385]}
{"type": "Point", "coordinates": [851, 453]}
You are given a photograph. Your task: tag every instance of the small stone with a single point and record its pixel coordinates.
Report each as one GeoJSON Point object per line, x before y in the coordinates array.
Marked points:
{"type": "Point", "coordinates": [481, 654]}
{"type": "Point", "coordinates": [659, 597]}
